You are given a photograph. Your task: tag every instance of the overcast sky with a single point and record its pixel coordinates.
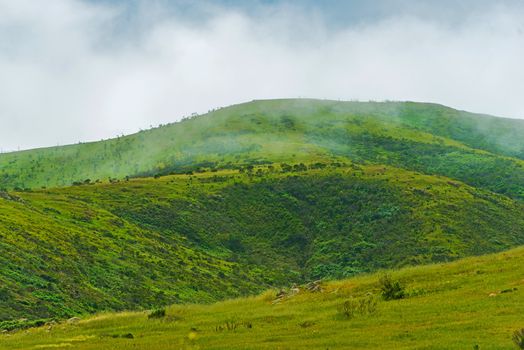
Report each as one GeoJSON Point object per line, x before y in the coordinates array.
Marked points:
{"type": "Point", "coordinates": [79, 70]}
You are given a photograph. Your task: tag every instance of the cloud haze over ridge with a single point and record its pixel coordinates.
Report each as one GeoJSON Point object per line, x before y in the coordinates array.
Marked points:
{"type": "Point", "coordinates": [73, 70]}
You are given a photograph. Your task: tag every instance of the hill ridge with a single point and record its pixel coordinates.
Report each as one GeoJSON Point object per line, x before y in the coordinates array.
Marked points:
{"type": "Point", "coordinates": [219, 138]}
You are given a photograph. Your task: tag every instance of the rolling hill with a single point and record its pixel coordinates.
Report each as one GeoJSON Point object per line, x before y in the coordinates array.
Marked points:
{"type": "Point", "coordinates": [428, 138]}
{"type": "Point", "coordinates": [250, 197]}
{"type": "Point", "coordinates": [183, 238]}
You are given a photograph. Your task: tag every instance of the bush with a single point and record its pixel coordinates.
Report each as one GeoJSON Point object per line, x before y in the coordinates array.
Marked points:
{"type": "Point", "coordinates": [269, 295]}
{"type": "Point", "coordinates": [390, 289]}
{"type": "Point", "coordinates": [359, 306]}
{"type": "Point", "coordinates": [349, 308]}
{"type": "Point", "coordinates": [159, 313]}
{"type": "Point", "coordinates": [22, 324]}
{"type": "Point", "coordinates": [518, 338]}
{"type": "Point", "coordinates": [232, 325]}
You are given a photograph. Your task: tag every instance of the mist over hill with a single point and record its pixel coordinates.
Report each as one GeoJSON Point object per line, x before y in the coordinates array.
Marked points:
{"type": "Point", "coordinates": [254, 196]}
{"type": "Point", "coordinates": [428, 138]}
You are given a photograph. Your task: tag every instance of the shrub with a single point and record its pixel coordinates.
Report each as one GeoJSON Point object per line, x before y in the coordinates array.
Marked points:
{"type": "Point", "coordinates": [232, 325]}
{"type": "Point", "coordinates": [368, 305]}
{"type": "Point", "coordinates": [306, 324]}
{"type": "Point", "coordinates": [269, 295]}
{"type": "Point", "coordinates": [359, 306]}
{"type": "Point", "coordinates": [158, 313]}
{"type": "Point", "coordinates": [229, 325]}
{"type": "Point", "coordinates": [349, 308]}
{"type": "Point", "coordinates": [115, 336]}
{"type": "Point", "coordinates": [22, 324]}
{"type": "Point", "coordinates": [518, 338]}
{"type": "Point", "coordinates": [390, 289]}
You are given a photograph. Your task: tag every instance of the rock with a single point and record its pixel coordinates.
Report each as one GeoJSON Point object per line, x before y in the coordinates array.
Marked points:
{"type": "Point", "coordinates": [73, 320]}
{"type": "Point", "coordinates": [5, 195]}
{"type": "Point", "coordinates": [281, 294]}
{"type": "Point", "coordinates": [9, 197]}
{"type": "Point", "coordinates": [314, 287]}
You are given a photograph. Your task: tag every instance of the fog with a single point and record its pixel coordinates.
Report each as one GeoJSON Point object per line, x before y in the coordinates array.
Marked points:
{"type": "Point", "coordinates": [74, 70]}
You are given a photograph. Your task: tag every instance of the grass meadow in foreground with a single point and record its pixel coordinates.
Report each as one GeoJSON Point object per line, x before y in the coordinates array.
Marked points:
{"type": "Point", "coordinates": [474, 303]}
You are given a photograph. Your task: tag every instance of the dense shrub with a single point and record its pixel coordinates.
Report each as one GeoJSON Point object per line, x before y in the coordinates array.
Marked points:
{"type": "Point", "coordinates": [158, 313]}
{"type": "Point", "coordinates": [390, 289]}
{"type": "Point", "coordinates": [21, 324]}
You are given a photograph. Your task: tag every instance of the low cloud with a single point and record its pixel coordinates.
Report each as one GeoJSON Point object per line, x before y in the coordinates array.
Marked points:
{"type": "Point", "coordinates": [77, 71]}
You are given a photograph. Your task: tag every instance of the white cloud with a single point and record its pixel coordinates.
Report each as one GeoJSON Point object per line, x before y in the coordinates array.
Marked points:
{"type": "Point", "coordinates": [69, 72]}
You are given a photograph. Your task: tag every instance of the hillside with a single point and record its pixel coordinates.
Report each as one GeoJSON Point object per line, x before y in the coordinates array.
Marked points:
{"type": "Point", "coordinates": [480, 150]}
{"type": "Point", "coordinates": [253, 196]}
{"type": "Point", "coordinates": [204, 237]}
{"type": "Point", "coordinates": [475, 303]}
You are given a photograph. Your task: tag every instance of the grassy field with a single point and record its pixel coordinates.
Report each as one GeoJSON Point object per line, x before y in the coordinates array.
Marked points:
{"type": "Point", "coordinates": [460, 305]}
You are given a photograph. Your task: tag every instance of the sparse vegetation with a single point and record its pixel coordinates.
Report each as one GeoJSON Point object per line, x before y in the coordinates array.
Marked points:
{"type": "Point", "coordinates": [455, 313]}
{"type": "Point", "coordinates": [352, 307]}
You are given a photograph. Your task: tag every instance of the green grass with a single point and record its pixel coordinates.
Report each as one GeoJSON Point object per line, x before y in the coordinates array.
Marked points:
{"type": "Point", "coordinates": [268, 194]}
{"type": "Point", "coordinates": [475, 301]}
{"type": "Point", "coordinates": [149, 242]}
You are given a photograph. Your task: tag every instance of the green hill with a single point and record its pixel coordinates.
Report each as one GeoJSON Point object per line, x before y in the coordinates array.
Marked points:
{"type": "Point", "coordinates": [253, 196]}
{"type": "Point", "coordinates": [428, 138]}
{"type": "Point", "coordinates": [182, 238]}
{"type": "Point", "coordinates": [474, 303]}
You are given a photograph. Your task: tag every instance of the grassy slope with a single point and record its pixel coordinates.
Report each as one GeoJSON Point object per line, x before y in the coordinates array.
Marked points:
{"type": "Point", "coordinates": [406, 184]}
{"type": "Point", "coordinates": [183, 238]}
{"type": "Point", "coordinates": [450, 306]}
{"type": "Point", "coordinates": [423, 137]}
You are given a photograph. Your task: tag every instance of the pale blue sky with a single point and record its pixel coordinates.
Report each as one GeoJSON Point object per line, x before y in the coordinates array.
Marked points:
{"type": "Point", "coordinates": [336, 12]}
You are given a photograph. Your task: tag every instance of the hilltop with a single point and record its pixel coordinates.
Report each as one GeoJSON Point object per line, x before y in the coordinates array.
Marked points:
{"type": "Point", "coordinates": [428, 138]}
{"type": "Point", "coordinates": [475, 303]}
